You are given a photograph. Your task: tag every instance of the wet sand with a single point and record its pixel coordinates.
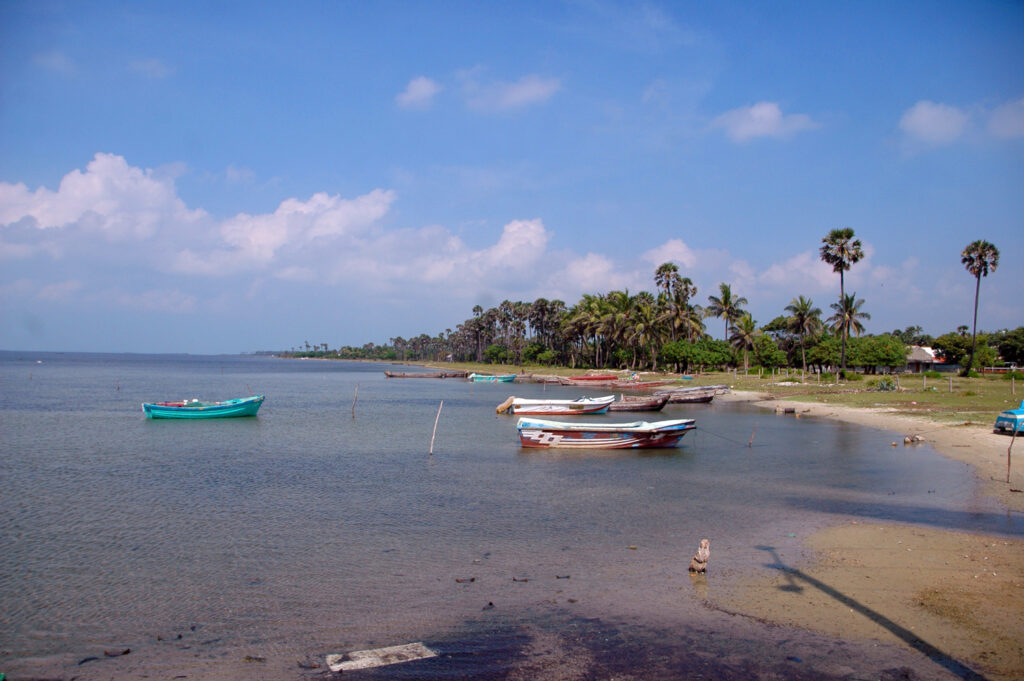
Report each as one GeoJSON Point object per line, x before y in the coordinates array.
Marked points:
{"type": "Point", "coordinates": [949, 595]}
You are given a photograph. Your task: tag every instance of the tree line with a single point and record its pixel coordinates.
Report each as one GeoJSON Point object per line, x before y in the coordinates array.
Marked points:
{"type": "Point", "coordinates": [667, 329]}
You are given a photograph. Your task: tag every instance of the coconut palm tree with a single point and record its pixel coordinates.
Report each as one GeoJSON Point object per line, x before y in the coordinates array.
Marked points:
{"type": "Point", "coordinates": [840, 250]}
{"type": "Point", "coordinates": [726, 306]}
{"type": "Point", "coordinates": [744, 335]}
{"type": "Point", "coordinates": [980, 258]}
{"type": "Point", "coordinates": [804, 321]}
{"type": "Point", "coordinates": [847, 315]}
{"type": "Point", "coordinates": [665, 276]}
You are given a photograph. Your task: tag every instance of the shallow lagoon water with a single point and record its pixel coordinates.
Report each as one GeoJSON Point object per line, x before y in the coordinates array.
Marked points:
{"type": "Point", "coordinates": [267, 543]}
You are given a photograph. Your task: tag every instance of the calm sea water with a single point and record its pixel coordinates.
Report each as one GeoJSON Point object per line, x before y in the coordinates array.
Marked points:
{"type": "Point", "coordinates": [250, 548]}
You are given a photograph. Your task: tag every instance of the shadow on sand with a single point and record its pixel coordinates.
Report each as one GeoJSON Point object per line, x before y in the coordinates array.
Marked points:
{"type": "Point", "coordinates": [795, 580]}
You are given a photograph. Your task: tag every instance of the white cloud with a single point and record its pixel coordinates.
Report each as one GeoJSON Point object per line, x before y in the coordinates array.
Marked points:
{"type": "Point", "coordinates": [502, 96]}
{"type": "Point", "coordinates": [1008, 120]}
{"type": "Point", "coordinates": [60, 291]}
{"type": "Point", "coordinates": [110, 198]}
{"type": "Point", "coordinates": [802, 271]}
{"type": "Point", "coordinates": [418, 94]}
{"type": "Point", "coordinates": [934, 124]}
{"type": "Point", "coordinates": [155, 301]}
{"type": "Point", "coordinates": [764, 119]}
{"type": "Point", "coordinates": [673, 250]}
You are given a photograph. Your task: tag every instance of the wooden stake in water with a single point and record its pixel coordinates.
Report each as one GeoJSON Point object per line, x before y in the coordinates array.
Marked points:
{"type": "Point", "coordinates": [751, 443]}
{"type": "Point", "coordinates": [354, 400]}
{"type": "Point", "coordinates": [436, 419]}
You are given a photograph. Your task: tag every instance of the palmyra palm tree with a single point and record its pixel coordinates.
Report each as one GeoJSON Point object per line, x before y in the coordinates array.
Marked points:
{"type": "Point", "coordinates": [804, 321]}
{"type": "Point", "coordinates": [847, 316]}
{"type": "Point", "coordinates": [980, 258]}
{"type": "Point", "coordinates": [726, 306]}
{"type": "Point", "coordinates": [840, 250]}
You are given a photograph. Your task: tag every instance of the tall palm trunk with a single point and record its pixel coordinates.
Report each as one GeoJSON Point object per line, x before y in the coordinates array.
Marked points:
{"type": "Point", "coordinates": [974, 331]}
{"type": "Point", "coordinates": [842, 296]}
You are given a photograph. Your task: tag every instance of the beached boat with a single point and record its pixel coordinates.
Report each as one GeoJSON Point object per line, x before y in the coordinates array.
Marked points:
{"type": "Point", "coordinates": [194, 409]}
{"type": "Point", "coordinates": [488, 378]}
{"type": "Point", "coordinates": [587, 378]}
{"type": "Point", "coordinates": [578, 407]}
{"type": "Point", "coordinates": [639, 434]}
{"type": "Point", "coordinates": [426, 374]}
{"type": "Point", "coordinates": [639, 403]}
{"type": "Point", "coordinates": [698, 394]}
{"type": "Point", "coordinates": [1011, 419]}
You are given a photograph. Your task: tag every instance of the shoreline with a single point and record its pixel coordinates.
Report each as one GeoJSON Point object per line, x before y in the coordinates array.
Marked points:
{"type": "Point", "coordinates": [958, 598]}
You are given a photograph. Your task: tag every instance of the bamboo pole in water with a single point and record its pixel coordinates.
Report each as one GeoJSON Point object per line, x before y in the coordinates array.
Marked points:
{"type": "Point", "coordinates": [354, 400]}
{"type": "Point", "coordinates": [436, 419]}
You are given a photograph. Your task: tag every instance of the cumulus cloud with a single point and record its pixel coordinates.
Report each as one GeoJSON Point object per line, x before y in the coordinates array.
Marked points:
{"type": "Point", "coordinates": [933, 124]}
{"type": "Point", "coordinates": [503, 96]}
{"type": "Point", "coordinates": [673, 250]}
{"type": "Point", "coordinates": [1008, 120]}
{"type": "Point", "coordinates": [764, 119]}
{"type": "Point", "coordinates": [110, 198]}
{"type": "Point", "coordinates": [418, 94]}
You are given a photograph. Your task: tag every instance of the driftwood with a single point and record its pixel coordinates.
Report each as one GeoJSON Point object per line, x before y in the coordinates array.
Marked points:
{"type": "Point", "coordinates": [699, 562]}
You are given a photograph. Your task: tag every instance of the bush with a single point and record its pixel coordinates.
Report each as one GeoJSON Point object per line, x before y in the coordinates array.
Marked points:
{"type": "Point", "coordinates": [851, 376]}
{"type": "Point", "coordinates": [1013, 374]}
{"type": "Point", "coordinates": [932, 374]}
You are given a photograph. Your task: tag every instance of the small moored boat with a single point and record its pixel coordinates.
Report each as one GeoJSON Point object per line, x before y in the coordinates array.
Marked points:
{"type": "Point", "coordinates": [194, 409]}
{"type": "Point", "coordinates": [639, 403]}
{"type": "Point", "coordinates": [1011, 419]}
{"type": "Point", "coordinates": [488, 378]}
{"type": "Point", "coordinates": [639, 434]}
{"type": "Point", "coordinates": [697, 394]}
{"type": "Point", "coordinates": [583, 405]}
{"type": "Point", "coordinates": [425, 374]}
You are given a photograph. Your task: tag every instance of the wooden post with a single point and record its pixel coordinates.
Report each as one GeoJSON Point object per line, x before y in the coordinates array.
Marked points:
{"type": "Point", "coordinates": [1013, 385]}
{"type": "Point", "coordinates": [1012, 438]}
{"type": "Point", "coordinates": [354, 400]}
{"type": "Point", "coordinates": [436, 419]}
{"type": "Point", "coordinates": [751, 443]}
{"type": "Point", "coordinates": [924, 382]}
{"type": "Point", "coordinates": [950, 384]}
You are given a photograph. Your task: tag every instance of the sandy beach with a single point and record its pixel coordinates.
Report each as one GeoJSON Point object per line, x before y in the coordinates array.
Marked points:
{"type": "Point", "coordinates": [957, 598]}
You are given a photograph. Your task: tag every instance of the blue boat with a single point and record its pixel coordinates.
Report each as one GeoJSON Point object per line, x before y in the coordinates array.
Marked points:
{"type": "Point", "coordinates": [488, 378]}
{"type": "Point", "coordinates": [194, 409]}
{"type": "Point", "coordinates": [1011, 419]}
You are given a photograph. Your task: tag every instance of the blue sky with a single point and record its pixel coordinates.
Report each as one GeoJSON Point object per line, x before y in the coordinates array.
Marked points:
{"type": "Point", "coordinates": [225, 177]}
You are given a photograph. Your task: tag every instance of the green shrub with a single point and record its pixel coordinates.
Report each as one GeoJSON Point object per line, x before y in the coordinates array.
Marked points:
{"type": "Point", "coordinates": [1013, 374]}
{"type": "Point", "coordinates": [932, 374]}
{"type": "Point", "coordinates": [851, 376]}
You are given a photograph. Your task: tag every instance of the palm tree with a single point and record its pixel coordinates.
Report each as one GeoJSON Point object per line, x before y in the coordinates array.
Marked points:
{"type": "Point", "coordinates": [980, 258]}
{"type": "Point", "coordinates": [840, 250]}
{"type": "Point", "coordinates": [745, 333]}
{"type": "Point", "coordinates": [804, 321]}
{"type": "Point", "coordinates": [847, 316]}
{"type": "Point", "coordinates": [726, 306]}
{"type": "Point", "coordinates": [665, 276]}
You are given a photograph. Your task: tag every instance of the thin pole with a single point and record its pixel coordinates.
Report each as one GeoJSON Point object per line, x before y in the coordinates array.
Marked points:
{"type": "Point", "coordinates": [751, 443]}
{"type": "Point", "coordinates": [950, 384]}
{"type": "Point", "coordinates": [436, 419]}
{"type": "Point", "coordinates": [1012, 439]}
{"type": "Point", "coordinates": [354, 400]}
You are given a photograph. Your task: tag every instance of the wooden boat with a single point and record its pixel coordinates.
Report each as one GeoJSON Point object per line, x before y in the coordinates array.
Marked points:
{"type": "Point", "coordinates": [426, 374]}
{"type": "Point", "coordinates": [593, 377]}
{"type": "Point", "coordinates": [1011, 419]}
{"type": "Point", "coordinates": [639, 403]}
{"type": "Point", "coordinates": [639, 434]}
{"type": "Point", "coordinates": [488, 378]}
{"type": "Point", "coordinates": [628, 383]}
{"type": "Point", "coordinates": [698, 394]}
{"type": "Point", "coordinates": [583, 405]}
{"type": "Point", "coordinates": [194, 409]}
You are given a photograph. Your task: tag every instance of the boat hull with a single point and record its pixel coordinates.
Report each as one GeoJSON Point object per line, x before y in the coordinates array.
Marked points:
{"type": "Point", "coordinates": [656, 403]}
{"type": "Point", "coordinates": [1011, 420]}
{"type": "Point", "coordinates": [552, 434]}
{"type": "Point", "coordinates": [481, 378]}
{"type": "Point", "coordinates": [245, 406]}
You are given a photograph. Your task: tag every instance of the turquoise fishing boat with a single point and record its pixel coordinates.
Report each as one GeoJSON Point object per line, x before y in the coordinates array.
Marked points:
{"type": "Point", "coordinates": [1011, 419]}
{"type": "Point", "coordinates": [194, 409]}
{"type": "Point", "coordinates": [488, 378]}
